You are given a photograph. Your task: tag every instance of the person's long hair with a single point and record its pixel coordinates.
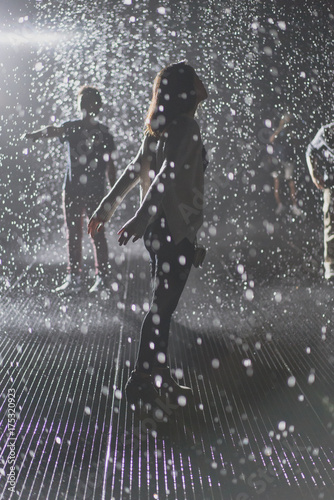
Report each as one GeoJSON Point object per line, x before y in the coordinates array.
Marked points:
{"type": "Point", "coordinates": [173, 94]}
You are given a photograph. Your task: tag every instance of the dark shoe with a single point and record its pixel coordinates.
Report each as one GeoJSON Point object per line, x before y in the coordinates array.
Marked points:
{"type": "Point", "coordinates": [177, 394]}
{"type": "Point", "coordinates": [140, 387]}
{"type": "Point", "coordinates": [71, 285]}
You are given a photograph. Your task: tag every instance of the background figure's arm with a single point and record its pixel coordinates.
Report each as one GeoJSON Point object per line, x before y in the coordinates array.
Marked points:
{"type": "Point", "coordinates": [283, 121]}
{"type": "Point", "coordinates": [45, 132]}
{"type": "Point", "coordinates": [274, 135]}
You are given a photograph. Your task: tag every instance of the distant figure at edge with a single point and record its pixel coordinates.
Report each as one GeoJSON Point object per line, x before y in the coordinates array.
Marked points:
{"type": "Point", "coordinates": [284, 159]}
{"type": "Point", "coordinates": [320, 162]}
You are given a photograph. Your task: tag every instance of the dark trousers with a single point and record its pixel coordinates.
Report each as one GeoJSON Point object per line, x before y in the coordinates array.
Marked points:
{"type": "Point", "coordinates": [170, 268]}
{"type": "Point", "coordinates": [75, 207]}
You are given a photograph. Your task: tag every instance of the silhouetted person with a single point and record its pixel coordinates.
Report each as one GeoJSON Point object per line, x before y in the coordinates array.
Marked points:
{"type": "Point", "coordinates": [170, 169]}
{"type": "Point", "coordinates": [283, 158]}
{"type": "Point", "coordinates": [320, 162]}
{"type": "Point", "coordinates": [90, 164]}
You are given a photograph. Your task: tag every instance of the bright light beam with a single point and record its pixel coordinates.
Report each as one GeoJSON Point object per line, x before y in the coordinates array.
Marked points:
{"type": "Point", "coordinates": [30, 36]}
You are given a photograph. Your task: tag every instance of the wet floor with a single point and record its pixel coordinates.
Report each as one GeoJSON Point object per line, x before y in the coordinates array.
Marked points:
{"type": "Point", "coordinates": [259, 358]}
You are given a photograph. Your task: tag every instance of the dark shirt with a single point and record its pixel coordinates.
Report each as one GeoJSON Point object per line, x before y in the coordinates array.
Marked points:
{"type": "Point", "coordinates": [283, 146]}
{"type": "Point", "coordinates": [90, 146]}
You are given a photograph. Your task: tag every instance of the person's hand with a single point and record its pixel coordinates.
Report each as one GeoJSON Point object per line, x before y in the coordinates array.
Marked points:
{"type": "Point", "coordinates": [131, 228]}
{"type": "Point", "coordinates": [94, 225]}
{"type": "Point", "coordinates": [318, 180]}
{"type": "Point", "coordinates": [31, 135]}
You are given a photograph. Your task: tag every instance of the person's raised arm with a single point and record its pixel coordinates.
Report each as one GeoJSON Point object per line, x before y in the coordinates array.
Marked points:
{"type": "Point", "coordinates": [45, 133]}
{"type": "Point", "coordinates": [110, 172]}
{"type": "Point", "coordinates": [109, 155]}
{"type": "Point", "coordinates": [129, 178]}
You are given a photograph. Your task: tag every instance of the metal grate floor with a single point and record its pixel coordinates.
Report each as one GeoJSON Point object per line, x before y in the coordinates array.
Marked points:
{"type": "Point", "coordinates": [260, 363]}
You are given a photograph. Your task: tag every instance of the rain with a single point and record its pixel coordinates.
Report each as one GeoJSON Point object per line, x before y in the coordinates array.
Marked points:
{"type": "Point", "coordinates": [252, 332]}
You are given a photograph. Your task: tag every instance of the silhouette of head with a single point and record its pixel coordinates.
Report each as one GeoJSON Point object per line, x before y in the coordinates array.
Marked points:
{"type": "Point", "coordinates": [89, 101]}
{"type": "Point", "coordinates": [176, 90]}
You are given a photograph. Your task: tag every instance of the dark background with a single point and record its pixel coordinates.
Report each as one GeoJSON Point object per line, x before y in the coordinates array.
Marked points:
{"type": "Point", "coordinates": [257, 59]}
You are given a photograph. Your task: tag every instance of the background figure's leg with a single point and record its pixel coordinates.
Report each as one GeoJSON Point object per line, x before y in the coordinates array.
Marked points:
{"type": "Point", "coordinates": [276, 190]}
{"type": "Point", "coordinates": [73, 217]}
{"type": "Point", "coordinates": [99, 239]}
{"type": "Point", "coordinates": [280, 207]}
{"type": "Point", "coordinates": [294, 207]}
{"type": "Point", "coordinates": [289, 168]}
{"type": "Point", "coordinates": [328, 233]}
{"type": "Point", "coordinates": [101, 253]}
{"type": "Point", "coordinates": [292, 191]}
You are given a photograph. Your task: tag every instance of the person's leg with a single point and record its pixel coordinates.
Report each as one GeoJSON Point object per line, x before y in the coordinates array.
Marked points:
{"type": "Point", "coordinates": [140, 384]}
{"type": "Point", "coordinates": [328, 208]}
{"type": "Point", "coordinates": [276, 191]}
{"type": "Point", "coordinates": [294, 207]}
{"type": "Point", "coordinates": [292, 189]}
{"type": "Point", "coordinates": [99, 239]}
{"type": "Point", "coordinates": [280, 207]}
{"type": "Point", "coordinates": [172, 268]}
{"type": "Point", "coordinates": [289, 168]}
{"type": "Point", "coordinates": [73, 220]}
{"type": "Point", "coordinates": [101, 253]}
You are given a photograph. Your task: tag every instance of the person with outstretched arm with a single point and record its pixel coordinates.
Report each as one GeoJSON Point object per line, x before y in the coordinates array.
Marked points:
{"type": "Point", "coordinates": [90, 166]}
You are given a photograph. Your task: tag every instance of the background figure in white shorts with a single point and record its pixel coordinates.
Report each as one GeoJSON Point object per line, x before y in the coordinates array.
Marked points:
{"type": "Point", "coordinates": [283, 157]}
{"type": "Point", "coordinates": [320, 162]}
